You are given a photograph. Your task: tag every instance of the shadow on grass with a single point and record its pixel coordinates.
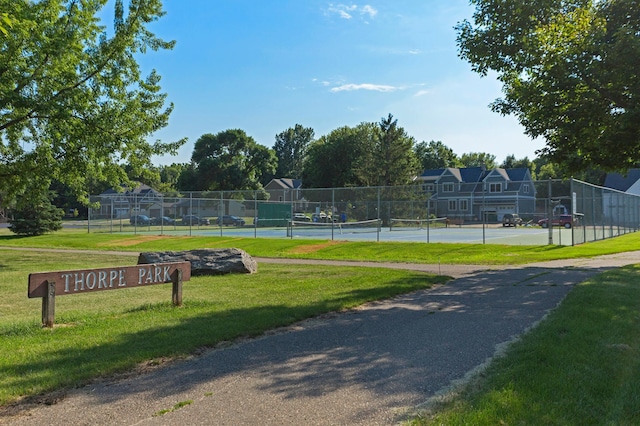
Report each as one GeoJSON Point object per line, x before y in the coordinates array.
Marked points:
{"type": "Point", "coordinates": [403, 349]}
{"type": "Point", "coordinates": [12, 237]}
{"type": "Point", "coordinates": [70, 366]}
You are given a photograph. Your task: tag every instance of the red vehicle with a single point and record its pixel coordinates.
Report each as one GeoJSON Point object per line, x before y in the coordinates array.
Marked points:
{"type": "Point", "coordinates": [565, 220]}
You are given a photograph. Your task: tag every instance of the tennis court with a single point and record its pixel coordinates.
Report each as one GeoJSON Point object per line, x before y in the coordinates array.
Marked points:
{"type": "Point", "coordinates": [370, 231]}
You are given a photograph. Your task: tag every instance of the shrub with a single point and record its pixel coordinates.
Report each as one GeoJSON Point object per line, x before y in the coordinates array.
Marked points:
{"type": "Point", "coordinates": [35, 218]}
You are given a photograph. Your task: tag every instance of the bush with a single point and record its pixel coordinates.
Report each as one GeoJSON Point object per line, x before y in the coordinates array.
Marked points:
{"type": "Point", "coordinates": [36, 219]}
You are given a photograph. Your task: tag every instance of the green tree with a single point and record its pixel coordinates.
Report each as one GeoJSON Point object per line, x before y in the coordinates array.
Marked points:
{"type": "Point", "coordinates": [395, 158]}
{"type": "Point", "coordinates": [370, 154]}
{"type": "Point", "coordinates": [510, 162]}
{"type": "Point", "coordinates": [188, 179]}
{"type": "Point", "coordinates": [435, 155]}
{"type": "Point", "coordinates": [478, 159]}
{"type": "Point", "coordinates": [291, 148]}
{"type": "Point", "coordinates": [73, 102]}
{"type": "Point", "coordinates": [5, 22]}
{"type": "Point", "coordinates": [35, 216]}
{"type": "Point", "coordinates": [229, 160]}
{"type": "Point", "coordinates": [170, 176]}
{"type": "Point", "coordinates": [339, 159]}
{"type": "Point", "coordinates": [569, 72]}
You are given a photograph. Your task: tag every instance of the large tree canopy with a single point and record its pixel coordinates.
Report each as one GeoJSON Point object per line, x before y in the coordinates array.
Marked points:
{"type": "Point", "coordinates": [291, 148]}
{"type": "Point", "coordinates": [227, 161]}
{"type": "Point", "coordinates": [370, 154]}
{"type": "Point", "coordinates": [395, 159]}
{"type": "Point", "coordinates": [478, 159]}
{"type": "Point", "coordinates": [73, 101]}
{"type": "Point", "coordinates": [569, 71]}
{"type": "Point", "coordinates": [435, 155]}
{"type": "Point", "coordinates": [339, 158]}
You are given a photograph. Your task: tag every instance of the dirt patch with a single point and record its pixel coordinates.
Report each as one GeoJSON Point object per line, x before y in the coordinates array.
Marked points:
{"type": "Point", "coordinates": [138, 240]}
{"type": "Point", "coordinates": [311, 248]}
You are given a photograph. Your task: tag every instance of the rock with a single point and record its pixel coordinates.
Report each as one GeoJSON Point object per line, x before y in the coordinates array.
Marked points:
{"type": "Point", "coordinates": [206, 261]}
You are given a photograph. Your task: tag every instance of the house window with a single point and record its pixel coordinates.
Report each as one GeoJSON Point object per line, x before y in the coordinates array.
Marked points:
{"type": "Point", "coordinates": [525, 188]}
{"type": "Point", "coordinates": [495, 187]}
{"type": "Point", "coordinates": [453, 205]}
{"type": "Point", "coordinates": [463, 204]}
{"type": "Point", "coordinates": [447, 187]}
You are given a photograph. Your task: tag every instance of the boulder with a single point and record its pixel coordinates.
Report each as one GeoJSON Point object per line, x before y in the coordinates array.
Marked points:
{"type": "Point", "coordinates": [206, 261]}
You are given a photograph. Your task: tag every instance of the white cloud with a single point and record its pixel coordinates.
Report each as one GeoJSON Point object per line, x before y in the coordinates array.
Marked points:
{"type": "Point", "coordinates": [368, 10]}
{"type": "Point", "coordinates": [347, 11]}
{"type": "Point", "coordinates": [365, 86]}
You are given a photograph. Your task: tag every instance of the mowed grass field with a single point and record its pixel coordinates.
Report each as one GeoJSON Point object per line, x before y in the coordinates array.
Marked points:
{"type": "Point", "coordinates": [106, 332]}
{"type": "Point", "coordinates": [580, 366]}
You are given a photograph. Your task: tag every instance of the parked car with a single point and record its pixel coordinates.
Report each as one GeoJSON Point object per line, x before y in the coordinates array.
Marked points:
{"type": "Point", "coordinates": [565, 220]}
{"type": "Point", "coordinates": [193, 220]}
{"type": "Point", "coordinates": [230, 220]}
{"type": "Point", "coordinates": [320, 217]}
{"type": "Point", "coordinates": [301, 217]}
{"type": "Point", "coordinates": [141, 220]}
{"type": "Point", "coordinates": [165, 220]}
{"type": "Point", "coordinates": [511, 219]}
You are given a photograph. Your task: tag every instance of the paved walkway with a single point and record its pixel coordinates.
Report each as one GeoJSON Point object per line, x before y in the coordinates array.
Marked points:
{"type": "Point", "coordinates": [369, 366]}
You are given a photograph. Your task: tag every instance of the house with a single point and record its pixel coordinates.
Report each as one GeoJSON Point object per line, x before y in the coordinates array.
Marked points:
{"type": "Point", "coordinates": [209, 207]}
{"type": "Point", "coordinates": [122, 204]}
{"type": "Point", "coordinates": [629, 183]}
{"type": "Point", "coordinates": [472, 193]}
{"type": "Point", "coordinates": [614, 202]}
{"type": "Point", "coordinates": [284, 190]}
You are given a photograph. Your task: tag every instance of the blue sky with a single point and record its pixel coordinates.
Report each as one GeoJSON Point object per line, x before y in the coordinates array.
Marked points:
{"type": "Point", "coordinates": [264, 66]}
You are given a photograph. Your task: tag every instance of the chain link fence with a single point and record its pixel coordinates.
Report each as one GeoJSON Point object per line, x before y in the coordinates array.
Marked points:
{"type": "Point", "coordinates": [562, 212]}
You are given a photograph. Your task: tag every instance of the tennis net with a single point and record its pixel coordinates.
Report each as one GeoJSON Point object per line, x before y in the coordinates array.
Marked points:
{"type": "Point", "coordinates": [416, 224]}
{"type": "Point", "coordinates": [300, 228]}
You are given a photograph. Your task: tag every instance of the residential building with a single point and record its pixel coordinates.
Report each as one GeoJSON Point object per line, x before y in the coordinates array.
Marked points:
{"type": "Point", "coordinates": [469, 194]}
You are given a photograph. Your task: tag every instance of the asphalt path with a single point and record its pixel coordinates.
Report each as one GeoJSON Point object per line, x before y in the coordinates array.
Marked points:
{"type": "Point", "coordinates": [374, 365]}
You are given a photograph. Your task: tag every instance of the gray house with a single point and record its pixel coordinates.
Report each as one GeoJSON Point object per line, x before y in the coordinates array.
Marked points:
{"type": "Point", "coordinates": [284, 190]}
{"type": "Point", "coordinates": [122, 204]}
{"type": "Point", "coordinates": [466, 194]}
{"type": "Point", "coordinates": [615, 203]}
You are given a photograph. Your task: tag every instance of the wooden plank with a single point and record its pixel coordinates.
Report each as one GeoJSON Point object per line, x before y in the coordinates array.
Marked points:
{"type": "Point", "coordinates": [176, 295]}
{"type": "Point", "coordinates": [90, 280]}
{"type": "Point", "coordinates": [49, 305]}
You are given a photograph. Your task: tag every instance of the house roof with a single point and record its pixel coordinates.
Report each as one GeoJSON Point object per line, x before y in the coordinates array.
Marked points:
{"type": "Point", "coordinates": [285, 183]}
{"type": "Point", "coordinates": [498, 171]}
{"type": "Point", "coordinates": [141, 189]}
{"type": "Point", "coordinates": [432, 173]}
{"type": "Point", "coordinates": [518, 175]}
{"type": "Point", "coordinates": [471, 177]}
{"type": "Point", "coordinates": [621, 182]}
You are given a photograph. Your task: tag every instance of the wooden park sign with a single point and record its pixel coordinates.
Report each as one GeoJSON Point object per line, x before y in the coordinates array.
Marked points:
{"type": "Point", "coordinates": [48, 285]}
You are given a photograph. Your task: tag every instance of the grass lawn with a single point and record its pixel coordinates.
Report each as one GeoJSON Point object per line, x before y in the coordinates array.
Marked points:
{"type": "Point", "coordinates": [580, 366]}
{"type": "Point", "coordinates": [488, 254]}
{"type": "Point", "coordinates": [102, 333]}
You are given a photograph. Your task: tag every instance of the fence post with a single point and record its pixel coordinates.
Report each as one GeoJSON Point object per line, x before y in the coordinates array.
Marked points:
{"type": "Point", "coordinates": [573, 210]}
{"type": "Point", "coordinates": [549, 214]}
{"type": "Point", "coordinates": [484, 213]}
{"type": "Point", "coordinates": [333, 204]}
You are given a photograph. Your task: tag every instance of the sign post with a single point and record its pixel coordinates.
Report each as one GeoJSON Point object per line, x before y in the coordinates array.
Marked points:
{"type": "Point", "coordinates": [48, 285]}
